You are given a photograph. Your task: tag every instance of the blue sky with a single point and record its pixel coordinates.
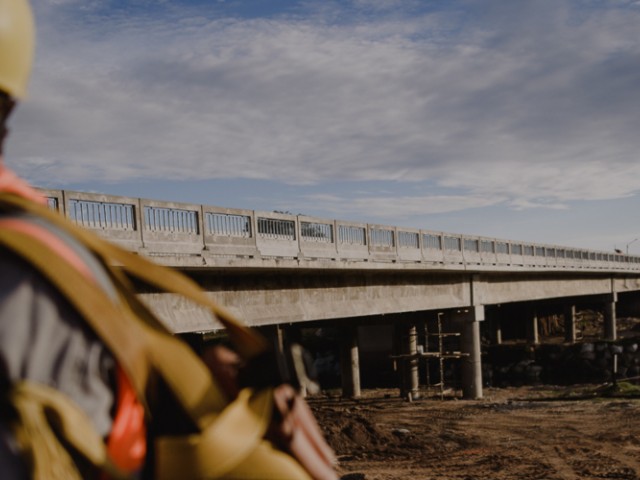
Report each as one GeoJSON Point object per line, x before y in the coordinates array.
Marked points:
{"type": "Point", "coordinates": [516, 120]}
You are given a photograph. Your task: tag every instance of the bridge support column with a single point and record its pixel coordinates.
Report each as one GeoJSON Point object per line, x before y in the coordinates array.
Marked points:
{"type": "Point", "coordinates": [350, 362]}
{"type": "Point", "coordinates": [610, 327]}
{"type": "Point", "coordinates": [410, 383]}
{"type": "Point", "coordinates": [533, 335]}
{"type": "Point", "coordinates": [287, 337]}
{"type": "Point", "coordinates": [275, 334]}
{"type": "Point", "coordinates": [570, 323]}
{"type": "Point", "coordinates": [497, 331]}
{"type": "Point", "coordinates": [469, 322]}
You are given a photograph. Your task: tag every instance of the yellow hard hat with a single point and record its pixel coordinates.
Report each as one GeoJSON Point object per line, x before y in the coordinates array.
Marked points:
{"type": "Point", "coordinates": [17, 40]}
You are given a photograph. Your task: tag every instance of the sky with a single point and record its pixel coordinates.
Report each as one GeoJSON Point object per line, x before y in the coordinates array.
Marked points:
{"type": "Point", "coordinates": [518, 120]}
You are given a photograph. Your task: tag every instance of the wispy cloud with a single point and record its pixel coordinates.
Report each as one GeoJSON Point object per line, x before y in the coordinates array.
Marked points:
{"type": "Point", "coordinates": [526, 104]}
{"type": "Point", "coordinates": [396, 208]}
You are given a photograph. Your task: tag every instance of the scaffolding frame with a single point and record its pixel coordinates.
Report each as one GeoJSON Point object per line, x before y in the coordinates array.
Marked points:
{"type": "Point", "coordinates": [440, 355]}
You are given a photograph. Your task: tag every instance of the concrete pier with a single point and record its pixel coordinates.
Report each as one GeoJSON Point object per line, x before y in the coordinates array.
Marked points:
{"type": "Point", "coordinates": [350, 362]}
{"type": "Point", "coordinates": [570, 323]}
{"type": "Point", "coordinates": [410, 365]}
{"type": "Point", "coordinates": [495, 323]}
{"type": "Point", "coordinates": [286, 337]}
{"type": "Point", "coordinates": [468, 321]}
{"type": "Point", "coordinates": [610, 324]}
{"type": "Point", "coordinates": [533, 336]}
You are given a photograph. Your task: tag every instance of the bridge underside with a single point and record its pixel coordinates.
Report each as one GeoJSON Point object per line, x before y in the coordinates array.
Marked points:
{"type": "Point", "coordinates": [261, 297]}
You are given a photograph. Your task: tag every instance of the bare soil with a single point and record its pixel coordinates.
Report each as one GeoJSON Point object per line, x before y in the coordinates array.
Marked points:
{"type": "Point", "coordinates": [512, 433]}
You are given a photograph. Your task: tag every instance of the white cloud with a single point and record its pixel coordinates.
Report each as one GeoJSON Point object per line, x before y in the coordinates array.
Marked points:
{"type": "Point", "coordinates": [393, 208]}
{"type": "Point", "coordinates": [382, 5]}
{"type": "Point", "coordinates": [534, 104]}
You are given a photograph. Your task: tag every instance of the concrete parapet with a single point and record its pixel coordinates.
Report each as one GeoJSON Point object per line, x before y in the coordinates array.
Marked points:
{"type": "Point", "coordinates": [117, 219]}
{"type": "Point", "coordinates": [452, 249]}
{"type": "Point", "coordinates": [352, 240]}
{"type": "Point", "coordinates": [488, 251]}
{"type": "Point", "coordinates": [382, 242]}
{"type": "Point", "coordinates": [159, 228]}
{"type": "Point", "coordinates": [318, 238]}
{"type": "Point", "coordinates": [229, 231]}
{"type": "Point", "coordinates": [432, 243]}
{"type": "Point", "coordinates": [55, 199]}
{"type": "Point", "coordinates": [409, 246]}
{"type": "Point", "coordinates": [277, 234]}
{"type": "Point", "coordinates": [503, 254]}
{"type": "Point", "coordinates": [173, 228]}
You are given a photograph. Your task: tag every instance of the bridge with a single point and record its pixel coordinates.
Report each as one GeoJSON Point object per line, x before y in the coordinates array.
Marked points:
{"type": "Point", "coordinates": [279, 272]}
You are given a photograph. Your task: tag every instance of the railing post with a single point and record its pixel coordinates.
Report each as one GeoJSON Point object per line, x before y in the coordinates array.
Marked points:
{"type": "Point", "coordinates": [139, 220]}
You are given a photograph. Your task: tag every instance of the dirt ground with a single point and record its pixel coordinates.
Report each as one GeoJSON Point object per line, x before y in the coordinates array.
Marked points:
{"type": "Point", "coordinates": [510, 434]}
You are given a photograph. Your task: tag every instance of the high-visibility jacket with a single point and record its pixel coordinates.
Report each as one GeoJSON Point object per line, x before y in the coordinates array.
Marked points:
{"type": "Point", "coordinates": [196, 432]}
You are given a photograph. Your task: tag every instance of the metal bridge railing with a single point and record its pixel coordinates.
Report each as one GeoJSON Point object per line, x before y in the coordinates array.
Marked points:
{"type": "Point", "coordinates": [408, 240]}
{"type": "Point", "coordinates": [160, 219]}
{"type": "Point", "coordinates": [381, 238]}
{"type": "Point", "coordinates": [275, 228]}
{"type": "Point", "coordinates": [228, 225]}
{"type": "Point", "coordinates": [431, 241]}
{"type": "Point", "coordinates": [316, 232]}
{"type": "Point", "coordinates": [352, 235]}
{"type": "Point", "coordinates": [102, 215]}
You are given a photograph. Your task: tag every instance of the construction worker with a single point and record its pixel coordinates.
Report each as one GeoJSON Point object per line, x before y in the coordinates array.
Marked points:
{"type": "Point", "coordinates": [92, 385]}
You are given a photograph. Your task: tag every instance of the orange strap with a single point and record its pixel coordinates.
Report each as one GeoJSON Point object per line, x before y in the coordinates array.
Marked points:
{"type": "Point", "coordinates": [11, 183]}
{"type": "Point", "coordinates": [127, 443]}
